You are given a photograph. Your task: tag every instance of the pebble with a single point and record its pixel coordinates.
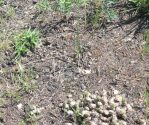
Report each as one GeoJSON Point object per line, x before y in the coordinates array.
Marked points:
{"type": "Point", "coordinates": [104, 123]}
{"type": "Point", "coordinates": [61, 105]}
{"type": "Point", "coordinates": [129, 108]}
{"type": "Point", "coordinates": [115, 92]}
{"type": "Point", "coordinates": [92, 106]}
{"type": "Point", "coordinates": [106, 112]}
{"type": "Point", "coordinates": [70, 113]}
{"type": "Point", "coordinates": [118, 98]}
{"type": "Point", "coordinates": [112, 103]}
{"type": "Point", "coordinates": [68, 124]}
{"type": "Point", "coordinates": [121, 122]}
{"type": "Point", "coordinates": [69, 96]}
{"type": "Point", "coordinates": [104, 100]}
{"type": "Point", "coordinates": [72, 103]}
{"type": "Point", "coordinates": [88, 99]}
{"type": "Point", "coordinates": [66, 106]}
{"type": "Point", "coordinates": [142, 122]}
{"type": "Point", "coordinates": [93, 96]}
{"type": "Point", "coordinates": [85, 113]}
{"type": "Point", "coordinates": [99, 104]}
{"type": "Point", "coordinates": [93, 123]}
{"type": "Point", "coordinates": [104, 93]}
{"type": "Point", "coordinates": [121, 112]}
{"type": "Point", "coordinates": [95, 114]}
{"type": "Point", "coordinates": [20, 106]}
{"type": "Point", "coordinates": [105, 119]}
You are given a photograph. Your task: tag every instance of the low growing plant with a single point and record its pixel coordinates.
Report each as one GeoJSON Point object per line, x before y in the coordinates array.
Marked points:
{"type": "Point", "coordinates": [65, 5]}
{"type": "Point", "coordinates": [146, 45]}
{"type": "Point", "coordinates": [25, 41]}
{"type": "Point", "coordinates": [43, 5]}
{"type": "Point", "coordinates": [141, 5]}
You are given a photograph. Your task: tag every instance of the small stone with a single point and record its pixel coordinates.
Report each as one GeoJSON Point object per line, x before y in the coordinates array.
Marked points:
{"type": "Point", "coordinates": [96, 92]}
{"type": "Point", "coordinates": [104, 93]}
{"type": "Point", "coordinates": [114, 119]}
{"type": "Point", "coordinates": [95, 114]}
{"type": "Point", "coordinates": [115, 92]}
{"type": "Point", "coordinates": [61, 105]}
{"type": "Point", "coordinates": [106, 112]}
{"type": "Point", "coordinates": [104, 100]}
{"type": "Point", "coordinates": [72, 103]}
{"type": "Point", "coordinates": [93, 96]}
{"type": "Point", "coordinates": [104, 123]}
{"type": "Point", "coordinates": [88, 119]}
{"type": "Point", "coordinates": [20, 106]}
{"type": "Point", "coordinates": [129, 108]}
{"type": "Point", "coordinates": [87, 108]}
{"type": "Point", "coordinates": [93, 123]}
{"type": "Point", "coordinates": [96, 120]}
{"type": "Point", "coordinates": [112, 103]}
{"type": "Point", "coordinates": [69, 96]}
{"type": "Point", "coordinates": [68, 124]}
{"type": "Point", "coordinates": [85, 113]}
{"type": "Point", "coordinates": [99, 110]}
{"type": "Point", "coordinates": [92, 106]}
{"type": "Point", "coordinates": [121, 112]}
{"type": "Point", "coordinates": [66, 106]}
{"type": "Point", "coordinates": [121, 122]}
{"type": "Point", "coordinates": [34, 1]}
{"type": "Point", "coordinates": [70, 113]}
{"type": "Point", "coordinates": [142, 122]}
{"type": "Point", "coordinates": [99, 104]}
{"type": "Point", "coordinates": [105, 119]}
{"type": "Point", "coordinates": [88, 99]}
{"type": "Point", "coordinates": [118, 98]}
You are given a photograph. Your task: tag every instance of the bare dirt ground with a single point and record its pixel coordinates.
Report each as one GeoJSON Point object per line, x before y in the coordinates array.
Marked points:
{"type": "Point", "coordinates": [110, 58]}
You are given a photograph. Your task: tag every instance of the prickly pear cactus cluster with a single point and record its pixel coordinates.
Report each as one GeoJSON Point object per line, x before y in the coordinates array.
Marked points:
{"type": "Point", "coordinates": [97, 109]}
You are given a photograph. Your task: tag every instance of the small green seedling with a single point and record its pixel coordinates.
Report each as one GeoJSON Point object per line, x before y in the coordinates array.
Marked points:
{"type": "Point", "coordinates": [32, 114]}
{"type": "Point", "coordinates": [25, 41]}
{"type": "Point", "coordinates": [101, 12]}
{"type": "Point", "coordinates": [141, 6]}
{"type": "Point", "coordinates": [43, 5]}
{"type": "Point", "coordinates": [10, 12]}
{"type": "Point", "coordinates": [65, 5]}
{"type": "Point", "coordinates": [24, 79]}
{"type": "Point", "coordinates": [146, 102]}
{"type": "Point", "coordinates": [146, 45]}
{"type": "Point", "coordinates": [1, 2]}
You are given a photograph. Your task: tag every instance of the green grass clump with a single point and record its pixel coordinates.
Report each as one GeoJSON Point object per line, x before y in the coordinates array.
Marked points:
{"type": "Point", "coordinates": [25, 41]}
{"type": "Point", "coordinates": [1, 2]}
{"type": "Point", "coordinates": [146, 45]}
{"type": "Point", "coordinates": [65, 5]}
{"type": "Point", "coordinates": [102, 12]}
{"type": "Point", "coordinates": [141, 5]}
{"type": "Point", "coordinates": [43, 5]}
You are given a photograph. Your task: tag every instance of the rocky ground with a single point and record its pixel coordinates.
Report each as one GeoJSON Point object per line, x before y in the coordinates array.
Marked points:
{"type": "Point", "coordinates": [102, 71]}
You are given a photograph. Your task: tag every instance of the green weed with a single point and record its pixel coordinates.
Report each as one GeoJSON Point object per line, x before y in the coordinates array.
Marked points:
{"type": "Point", "coordinates": [25, 41]}
{"type": "Point", "coordinates": [24, 79]}
{"type": "Point", "coordinates": [1, 2]}
{"type": "Point", "coordinates": [10, 12]}
{"type": "Point", "coordinates": [101, 12]}
{"type": "Point", "coordinates": [65, 5]}
{"type": "Point", "coordinates": [146, 102]}
{"type": "Point", "coordinates": [141, 6]}
{"type": "Point", "coordinates": [146, 45]}
{"type": "Point", "coordinates": [78, 48]}
{"type": "Point", "coordinates": [43, 5]}
{"type": "Point", "coordinates": [32, 114]}
{"type": "Point", "coordinates": [22, 123]}
{"type": "Point", "coordinates": [14, 95]}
